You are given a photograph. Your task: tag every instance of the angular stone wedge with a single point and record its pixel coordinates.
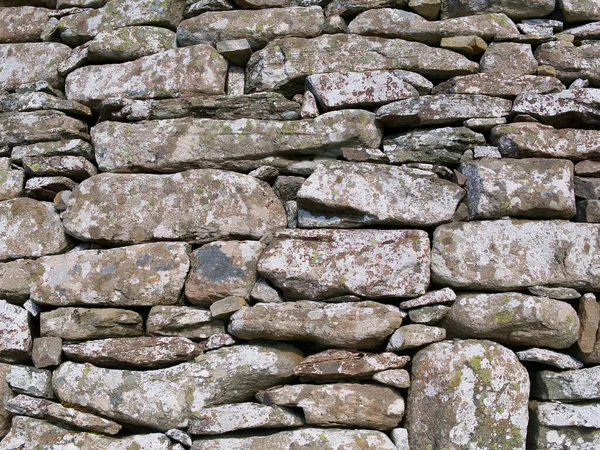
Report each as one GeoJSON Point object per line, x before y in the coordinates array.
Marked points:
{"type": "Point", "coordinates": [195, 206]}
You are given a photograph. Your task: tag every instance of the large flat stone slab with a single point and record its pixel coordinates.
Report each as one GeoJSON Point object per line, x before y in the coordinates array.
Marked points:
{"type": "Point", "coordinates": [533, 188]}
{"type": "Point", "coordinates": [180, 144]}
{"type": "Point", "coordinates": [22, 128]}
{"type": "Point", "coordinates": [395, 23]}
{"type": "Point", "coordinates": [167, 398]}
{"type": "Point", "coordinates": [534, 140]}
{"type": "Point", "coordinates": [258, 27]}
{"type": "Point", "coordinates": [128, 209]}
{"type": "Point", "coordinates": [456, 391]}
{"type": "Point", "coordinates": [362, 325]}
{"type": "Point", "coordinates": [29, 62]}
{"type": "Point", "coordinates": [317, 264]}
{"type": "Point", "coordinates": [29, 228]}
{"type": "Point", "coordinates": [22, 24]}
{"type": "Point", "coordinates": [357, 194]}
{"type": "Point", "coordinates": [513, 319]}
{"type": "Point", "coordinates": [140, 275]}
{"type": "Point", "coordinates": [283, 66]}
{"type": "Point", "coordinates": [27, 432]}
{"type": "Point", "coordinates": [78, 28]}
{"type": "Point", "coordinates": [172, 73]}
{"type": "Point", "coordinates": [570, 61]}
{"type": "Point", "coordinates": [518, 10]}
{"type": "Point", "coordinates": [512, 254]}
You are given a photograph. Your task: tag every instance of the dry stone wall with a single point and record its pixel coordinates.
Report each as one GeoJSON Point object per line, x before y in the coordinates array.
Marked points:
{"type": "Point", "coordinates": [299, 224]}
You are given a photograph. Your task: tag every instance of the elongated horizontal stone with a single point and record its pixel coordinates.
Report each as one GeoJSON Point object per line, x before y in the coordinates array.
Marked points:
{"type": "Point", "coordinates": [73, 147]}
{"type": "Point", "coordinates": [129, 209]}
{"type": "Point", "coordinates": [172, 73]}
{"type": "Point", "coordinates": [366, 194]}
{"type": "Point", "coordinates": [130, 43]}
{"type": "Point", "coordinates": [76, 168]}
{"type": "Point", "coordinates": [580, 10]}
{"type": "Point", "coordinates": [442, 110]}
{"type": "Point", "coordinates": [571, 62]}
{"type": "Point", "coordinates": [324, 439]}
{"type": "Point", "coordinates": [183, 321]}
{"type": "Point", "coordinates": [358, 89]}
{"type": "Point", "coordinates": [31, 381]}
{"type": "Point", "coordinates": [350, 8]}
{"type": "Point", "coordinates": [568, 385]}
{"type": "Point", "coordinates": [258, 27]}
{"type": "Point", "coordinates": [362, 325]}
{"type": "Point", "coordinates": [27, 432]}
{"type": "Point", "coordinates": [528, 188]}
{"type": "Point", "coordinates": [318, 264]}
{"type": "Point", "coordinates": [513, 319]}
{"type": "Point", "coordinates": [29, 228]}
{"type": "Point", "coordinates": [180, 144]}
{"type": "Point", "coordinates": [565, 415]}
{"type": "Point", "coordinates": [16, 340]}
{"type": "Point", "coordinates": [85, 323]}
{"type": "Point", "coordinates": [78, 28]}
{"type": "Point", "coordinates": [549, 357]}
{"type": "Point", "coordinates": [242, 416]}
{"type": "Point", "coordinates": [45, 409]}
{"type": "Point", "coordinates": [140, 275]}
{"type": "Point", "coordinates": [29, 62]}
{"type": "Point", "coordinates": [260, 105]}
{"type": "Point", "coordinates": [284, 66]}
{"type": "Point", "coordinates": [535, 8]}
{"type": "Point", "coordinates": [499, 85]}
{"type": "Point", "coordinates": [167, 398]}
{"type": "Point", "coordinates": [395, 23]}
{"type": "Point", "coordinates": [501, 254]}
{"type": "Point", "coordinates": [36, 101]}
{"type": "Point", "coordinates": [142, 352]}
{"type": "Point", "coordinates": [30, 127]}
{"type": "Point", "coordinates": [568, 438]}
{"type": "Point", "coordinates": [22, 24]}
{"type": "Point", "coordinates": [347, 404]}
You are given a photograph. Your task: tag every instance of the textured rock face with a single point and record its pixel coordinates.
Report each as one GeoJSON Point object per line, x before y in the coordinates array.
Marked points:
{"type": "Point", "coordinates": [515, 10]}
{"type": "Point", "coordinates": [571, 62]}
{"type": "Point", "coordinates": [366, 194]}
{"type": "Point", "coordinates": [24, 24]}
{"type": "Point", "coordinates": [259, 27]}
{"type": "Point", "coordinates": [327, 263]}
{"type": "Point", "coordinates": [380, 408]}
{"type": "Point", "coordinates": [446, 406]}
{"type": "Point", "coordinates": [30, 127]}
{"type": "Point", "coordinates": [29, 228]}
{"type": "Point", "coordinates": [83, 323]}
{"type": "Point", "coordinates": [81, 27]}
{"type": "Point", "coordinates": [29, 62]}
{"type": "Point", "coordinates": [579, 10]}
{"type": "Point", "coordinates": [155, 76]}
{"type": "Point", "coordinates": [527, 188]}
{"type": "Point", "coordinates": [513, 319]}
{"type": "Point", "coordinates": [284, 66]}
{"type": "Point", "coordinates": [183, 321]}
{"type": "Point", "coordinates": [570, 385]}
{"type": "Point", "coordinates": [16, 340]}
{"type": "Point", "coordinates": [498, 257]}
{"type": "Point", "coordinates": [179, 144]}
{"type": "Point", "coordinates": [249, 208]}
{"type": "Point", "coordinates": [165, 398]}
{"type": "Point", "coordinates": [363, 325]}
{"type": "Point", "coordinates": [328, 439]}
{"type": "Point", "coordinates": [141, 275]}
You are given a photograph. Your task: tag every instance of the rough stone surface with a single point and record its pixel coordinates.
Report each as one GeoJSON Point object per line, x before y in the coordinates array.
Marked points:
{"type": "Point", "coordinates": [224, 308]}
{"type": "Point", "coordinates": [47, 352]}
{"type": "Point", "coordinates": [181, 71]}
{"type": "Point", "coordinates": [11, 180]}
{"type": "Point", "coordinates": [242, 207]}
{"type": "Point", "coordinates": [524, 188]}
{"type": "Point", "coordinates": [428, 315]}
{"type": "Point", "coordinates": [589, 318]}
{"type": "Point", "coordinates": [513, 319]}
{"type": "Point", "coordinates": [184, 321]}
{"type": "Point", "coordinates": [571, 62]}
{"type": "Point", "coordinates": [14, 280]}
{"type": "Point", "coordinates": [351, 8]}
{"type": "Point", "coordinates": [569, 385]}
{"type": "Point", "coordinates": [46, 188]}
{"type": "Point", "coordinates": [259, 27]}
{"type": "Point", "coordinates": [141, 275]}
{"type": "Point", "coordinates": [31, 127]}
{"type": "Point", "coordinates": [324, 439]}
{"type": "Point", "coordinates": [436, 145]}
{"type": "Point", "coordinates": [499, 256]}
{"type": "Point", "coordinates": [442, 110]}
{"type": "Point", "coordinates": [318, 264]}
{"type": "Point", "coordinates": [447, 406]}
{"type": "Point", "coordinates": [467, 45]}
{"type": "Point", "coordinates": [75, 167]}
{"type": "Point", "coordinates": [556, 292]}
{"type": "Point", "coordinates": [29, 228]}
{"type": "Point", "coordinates": [180, 144]}
{"type": "Point", "coordinates": [283, 66]}
{"type": "Point", "coordinates": [398, 378]}
{"type": "Point", "coordinates": [27, 432]}
{"type": "Point", "coordinates": [129, 43]}
{"type": "Point", "coordinates": [16, 340]}
{"type": "Point", "coordinates": [5, 395]}
{"type": "Point", "coordinates": [366, 194]}
{"type": "Point", "coordinates": [73, 147]}
{"type": "Point", "coordinates": [510, 58]}
{"type": "Point", "coordinates": [414, 335]}
{"type": "Point", "coordinates": [346, 404]}
{"type": "Point", "coordinates": [28, 62]}
{"type": "Point", "coordinates": [22, 24]}
{"type": "Point", "coordinates": [549, 357]}
{"type": "Point", "coordinates": [580, 10]}
{"type": "Point", "coordinates": [30, 381]}
{"type": "Point", "coordinates": [515, 10]}
{"type": "Point", "coordinates": [36, 101]}
{"type": "Point", "coordinates": [242, 416]}
{"type": "Point", "coordinates": [588, 211]}
{"type": "Point", "coordinates": [167, 398]}
{"type": "Point", "coordinates": [84, 323]}
{"type": "Point", "coordinates": [362, 325]}
{"type": "Point", "coordinates": [444, 295]}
